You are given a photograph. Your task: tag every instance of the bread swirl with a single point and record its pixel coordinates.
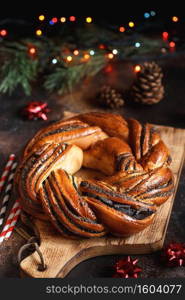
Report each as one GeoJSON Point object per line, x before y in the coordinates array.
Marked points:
{"type": "Point", "coordinates": [132, 156]}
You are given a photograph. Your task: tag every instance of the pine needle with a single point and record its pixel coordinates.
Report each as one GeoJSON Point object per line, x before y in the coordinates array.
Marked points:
{"type": "Point", "coordinates": [64, 79]}
{"type": "Point", "coordinates": [17, 70]}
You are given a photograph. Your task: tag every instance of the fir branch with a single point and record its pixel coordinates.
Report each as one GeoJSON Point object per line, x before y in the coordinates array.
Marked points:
{"type": "Point", "coordinates": [147, 47]}
{"type": "Point", "coordinates": [64, 79]}
{"type": "Point", "coordinates": [17, 69]}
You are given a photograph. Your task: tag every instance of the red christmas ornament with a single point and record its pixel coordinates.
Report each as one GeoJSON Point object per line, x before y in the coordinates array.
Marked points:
{"type": "Point", "coordinates": [174, 255]}
{"type": "Point", "coordinates": [126, 268]}
{"type": "Point", "coordinates": [36, 110]}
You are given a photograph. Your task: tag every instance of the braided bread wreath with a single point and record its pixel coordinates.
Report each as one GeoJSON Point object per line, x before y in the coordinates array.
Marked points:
{"type": "Point", "coordinates": [132, 157]}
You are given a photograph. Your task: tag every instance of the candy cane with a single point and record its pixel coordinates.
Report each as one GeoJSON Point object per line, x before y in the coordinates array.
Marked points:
{"type": "Point", "coordinates": [6, 170]}
{"type": "Point", "coordinates": [7, 194]}
{"type": "Point", "coordinates": [11, 221]}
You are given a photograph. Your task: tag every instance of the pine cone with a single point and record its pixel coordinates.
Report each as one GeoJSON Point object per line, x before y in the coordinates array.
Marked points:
{"type": "Point", "coordinates": [110, 97]}
{"type": "Point", "coordinates": [148, 88]}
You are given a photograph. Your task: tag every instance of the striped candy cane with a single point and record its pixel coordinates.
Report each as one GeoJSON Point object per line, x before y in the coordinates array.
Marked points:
{"type": "Point", "coordinates": [6, 170]}
{"type": "Point", "coordinates": [11, 221]}
{"type": "Point", "coordinates": [7, 194]}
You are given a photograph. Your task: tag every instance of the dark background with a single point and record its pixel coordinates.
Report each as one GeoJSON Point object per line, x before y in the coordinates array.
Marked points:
{"type": "Point", "coordinates": [107, 14]}
{"type": "Point", "coordinates": [114, 11]}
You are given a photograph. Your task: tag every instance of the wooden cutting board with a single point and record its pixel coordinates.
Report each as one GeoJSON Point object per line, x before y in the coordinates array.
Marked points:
{"type": "Point", "coordinates": [62, 255]}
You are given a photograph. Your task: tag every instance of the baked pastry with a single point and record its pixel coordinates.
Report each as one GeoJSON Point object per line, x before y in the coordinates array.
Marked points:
{"type": "Point", "coordinates": [132, 157]}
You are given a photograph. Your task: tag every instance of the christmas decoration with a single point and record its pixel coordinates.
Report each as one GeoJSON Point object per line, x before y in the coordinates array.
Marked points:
{"type": "Point", "coordinates": [7, 193]}
{"type": "Point", "coordinates": [66, 77]}
{"type": "Point", "coordinates": [64, 50]}
{"type": "Point", "coordinates": [148, 88]}
{"type": "Point", "coordinates": [126, 268]}
{"type": "Point", "coordinates": [11, 221]}
{"type": "Point", "coordinates": [36, 110]}
{"type": "Point", "coordinates": [82, 50]}
{"type": "Point", "coordinates": [110, 97]}
{"type": "Point", "coordinates": [6, 171]}
{"type": "Point", "coordinates": [174, 255]}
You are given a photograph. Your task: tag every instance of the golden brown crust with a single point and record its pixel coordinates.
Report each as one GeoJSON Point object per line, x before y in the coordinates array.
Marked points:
{"type": "Point", "coordinates": [120, 213]}
{"type": "Point", "coordinates": [155, 186]}
{"type": "Point", "coordinates": [142, 137]}
{"type": "Point", "coordinates": [112, 124]}
{"type": "Point", "coordinates": [132, 155]}
{"type": "Point", "coordinates": [70, 131]}
{"type": "Point", "coordinates": [68, 211]}
{"type": "Point", "coordinates": [110, 155]}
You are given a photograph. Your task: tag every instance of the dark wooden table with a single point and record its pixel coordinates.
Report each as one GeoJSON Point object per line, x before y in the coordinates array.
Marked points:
{"type": "Point", "coordinates": [15, 132]}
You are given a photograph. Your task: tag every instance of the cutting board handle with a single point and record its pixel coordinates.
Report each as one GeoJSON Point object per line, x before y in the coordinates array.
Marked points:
{"type": "Point", "coordinates": [32, 243]}
{"type": "Point", "coordinates": [55, 257]}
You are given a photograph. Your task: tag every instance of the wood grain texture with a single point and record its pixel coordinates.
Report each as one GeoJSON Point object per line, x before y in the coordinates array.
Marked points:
{"type": "Point", "coordinates": [61, 254]}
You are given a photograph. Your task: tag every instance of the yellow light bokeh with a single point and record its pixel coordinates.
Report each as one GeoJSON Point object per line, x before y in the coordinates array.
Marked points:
{"type": "Point", "coordinates": [175, 19]}
{"type": "Point", "coordinates": [89, 20]}
{"type": "Point", "coordinates": [69, 58]}
{"type": "Point", "coordinates": [110, 56]}
{"type": "Point", "coordinates": [86, 56]}
{"type": "Point", "coordinates": [131, 24]}
{"type": "Point", "coordinates": [41, 17]}
{"type": "Point", "coordinates": [38, 32]}
{"type": "Point", "coordinates": [63, 19]}
{"type": "Point", "coordinates": [137, 68]}
{"type": "Point", "coordinates": [76, 52]}
{"type": "Point", "coordinates": [32, 50]}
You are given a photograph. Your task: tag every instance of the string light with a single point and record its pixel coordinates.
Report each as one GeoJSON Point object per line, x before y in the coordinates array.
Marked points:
{"type": "Point", "coordinates": [153, 13]}
{"type": "Point", "coordinates": [91, 52]}
{"type": "Point", "coordinates": [146, 15]}
{"type": "Point", "coordinates": [137, 68]}
{"type": "Point", "coordinates": [69, 58]}
{"type": "Point", "coordinates": [163, 50]}
{"type": "Point", "coordinates": [115, 51]}
{"type": "Point", "coordinates": [102, 46]}
{"type": "Point", "coordinates": [32, 50]}
{"type": "Point", "coordinates": [110, 56]}
{"type": "Point", "coordinates": [122, 29]}
{"type": "Point", "coordinates": [38, 32]}
{"type": "Point", "coordinates": [86, 56]}
{"type": "Point", "coordinates": [3, 32]}
{"type": "Point", "coordinates": [172, 44]}
{"type": "Point", "coordinates": [72, 18]}
{"type": "Point", "coordinates": [63, 20]}
{"type": "Point", "coordinates": [51, 22]}
{"type": "Point", "coordinates": [131, 24]}
{"type": "Point", "coordinates": [175, 19]}
{"type": "Point", "coordinates": [76, 52]}
{"type": "Point", "coordinates": [137, 44]}
{"type": "Point", "coordinates": [54, 61]}
{"type": "Point", "coordinates": [89, 20]}
{"type": "Point", "coordinates": [54, 20]}
{"type": "Point", "coordinates": [165, 35]}
{"type": "Point", "coordinates": [41, 18]}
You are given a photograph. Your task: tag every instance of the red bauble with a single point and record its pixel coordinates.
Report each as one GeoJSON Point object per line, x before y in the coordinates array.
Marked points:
{"type": "Point", "coordinates": [36, 110]}
{"type": "Point", "coordinates": [174, 255]}
{"type": "Point", "coordinates": [126, 268]}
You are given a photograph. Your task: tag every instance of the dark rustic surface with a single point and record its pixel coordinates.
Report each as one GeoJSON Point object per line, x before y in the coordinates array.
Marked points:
{"type": "Point", "coordinates": [15, 132]}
